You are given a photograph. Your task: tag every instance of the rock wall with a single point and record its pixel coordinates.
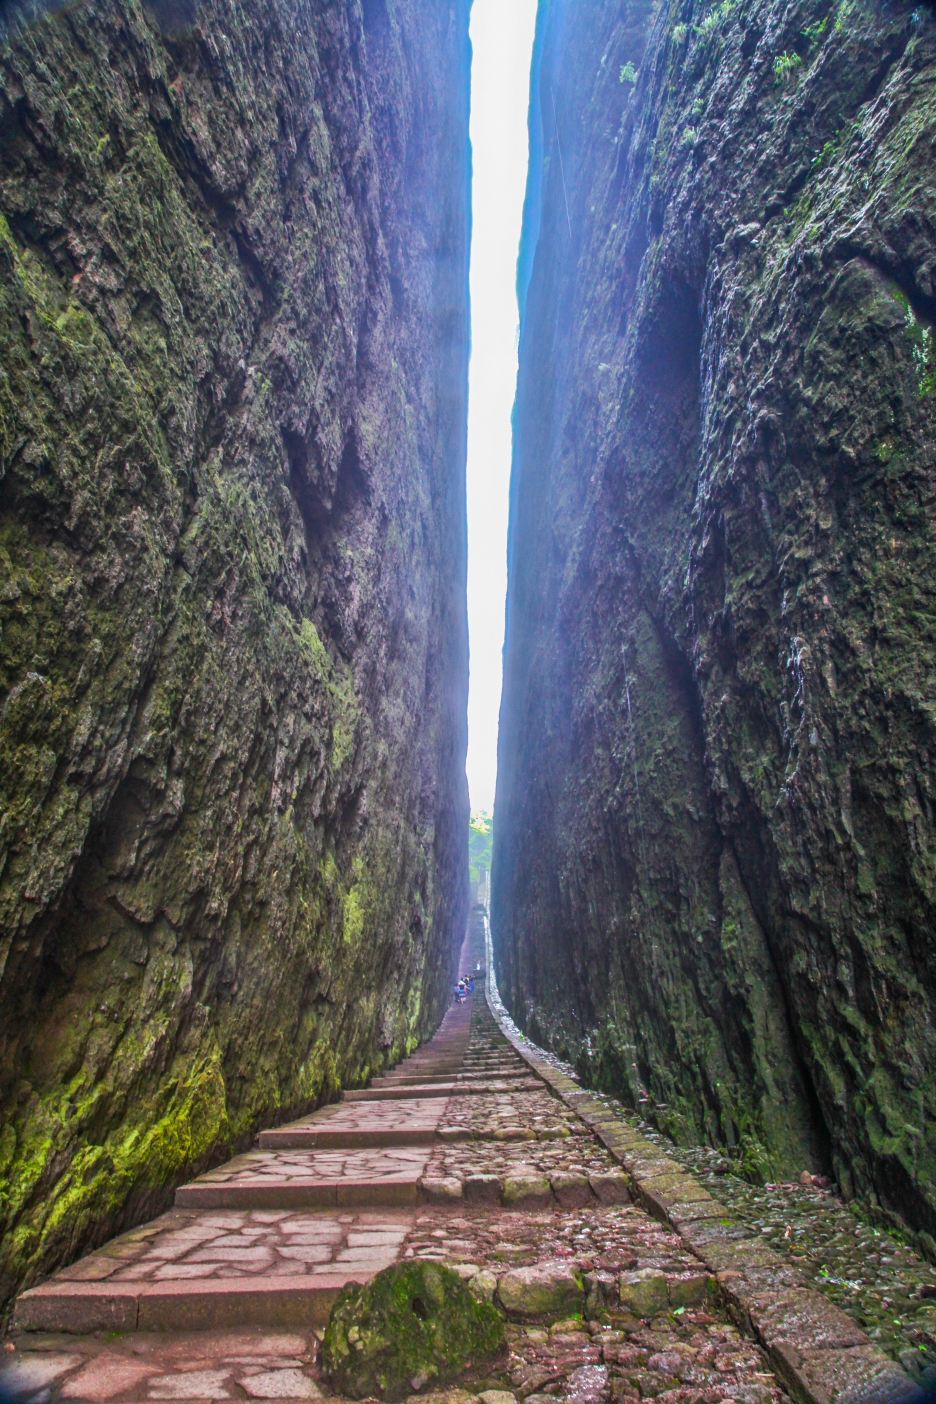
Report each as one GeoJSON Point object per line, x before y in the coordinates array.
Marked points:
{"type": "Point", "coordinates": [233, 310]}
{"type": "Point", "coordinates": [715, 851]}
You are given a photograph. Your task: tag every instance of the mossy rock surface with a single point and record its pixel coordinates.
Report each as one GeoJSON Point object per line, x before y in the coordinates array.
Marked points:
{"type": "Point", "coordinates": [411, 1324]}
{"type": "Point", "coordinates": [233, 641]}
{"type": "Point", "coordinates": [717, 727]}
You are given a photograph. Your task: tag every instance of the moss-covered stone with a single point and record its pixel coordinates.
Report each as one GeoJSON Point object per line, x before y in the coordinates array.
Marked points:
{"type": "Point", "coordinates": [643, 1292]}
{"type": "Point", "coordinates": [714, 853]}
{"type": "Point", "coordinates": [412, 1324]}
{"type": "Point", "coordinates": [233, 656]}
{"type": "Point", "coordinates": [541, 1291]}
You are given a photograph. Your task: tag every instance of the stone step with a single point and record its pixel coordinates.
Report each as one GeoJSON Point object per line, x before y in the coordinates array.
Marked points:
{"type": "Point", "coordinates": [431, 1052]}
{"type": "Point", "coordinates": [414, 1092]}
{"type": "Point", "coordinates": [360, 1125]}
{"type": "Point", "coordinates": [258, 1242]}
{"type": "Point", "coordinates": [441, 1089]}
{"type": "Point", "coordinates": [184, 1306]}
{"type": "Point", "coordinates": [499, 1070]}
{"type": "Point", "coordinates": [433, 1079]}
{"type": "Point", "coordinates": [339, 1192]}
{"type": "Point", "coordinates": [298, 1193]}
{"type": "Point", "coordinates": [309, 1179]}
{"type": "Point", "coordinates": [366, 1137]}
{"type": "Point", "coordinates": [200, 1271]}
{"type": "Point", "coordinates": [414, 1079]}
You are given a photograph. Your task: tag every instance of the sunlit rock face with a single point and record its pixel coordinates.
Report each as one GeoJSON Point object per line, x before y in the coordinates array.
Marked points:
{"type": "Point", "coordinates": [233, 295]}
{"type": "Point", "coordinates": [714, 838]}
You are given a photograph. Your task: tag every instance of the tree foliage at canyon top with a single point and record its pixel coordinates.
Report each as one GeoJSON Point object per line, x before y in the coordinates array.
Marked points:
{"type": "Point", "coordinates": [480, 844]}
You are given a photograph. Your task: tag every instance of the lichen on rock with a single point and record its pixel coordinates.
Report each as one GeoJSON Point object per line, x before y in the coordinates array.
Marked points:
{"type": "Point", "coordinates": [413, 1324]}
{"type": "Point", "coordinates": [542, 1291]}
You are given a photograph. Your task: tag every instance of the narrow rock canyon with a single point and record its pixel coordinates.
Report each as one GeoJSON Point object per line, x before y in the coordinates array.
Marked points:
{"type": "Point", "coordinates": [672, 1134]}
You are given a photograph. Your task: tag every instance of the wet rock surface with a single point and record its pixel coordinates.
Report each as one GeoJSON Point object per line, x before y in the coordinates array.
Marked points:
{"type": "Point", "coordinates": [871, 1273]}
{"type": "Point", "coordinates": [820, 1352]}
{"type": "Point", "coordinates": [875, 1277]}
{"type": "Point", "coordinates": [233, 307]}
{"type": "Point", "coordinates": [576, 1264]}
{"type": "Point", "coordinates": [714, 829]}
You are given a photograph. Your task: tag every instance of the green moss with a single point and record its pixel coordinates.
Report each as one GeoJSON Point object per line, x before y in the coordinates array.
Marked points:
{"type": "Point", "coordinates": [411, 1324]}
{"type": "Point", "coordinates": [337, 679]}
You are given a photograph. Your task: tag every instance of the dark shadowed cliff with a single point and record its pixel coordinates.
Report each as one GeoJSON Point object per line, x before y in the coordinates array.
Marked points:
{"type": "Point", "coordinates": [233, 288]}
{"type": "Point", "coordinates": [715, 844]}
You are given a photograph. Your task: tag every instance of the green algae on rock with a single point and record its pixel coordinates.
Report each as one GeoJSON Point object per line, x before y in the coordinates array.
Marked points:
{"type": "Point", "coordinates": [411, 1325]}
{"type": "Point", "coordinates": [233, 663]}
{"type": "Point", "coordinates": [714, 838]}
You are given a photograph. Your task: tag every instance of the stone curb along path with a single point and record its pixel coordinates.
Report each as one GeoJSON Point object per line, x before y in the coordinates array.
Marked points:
{"type": "Point", "coordinates": [819, 1353]}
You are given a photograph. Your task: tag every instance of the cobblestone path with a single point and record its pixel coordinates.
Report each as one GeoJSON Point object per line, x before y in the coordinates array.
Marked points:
{"type": "Point", "coordinates": [475, 1152]}
{"type": "Point", "coordinates": [875, 1277]}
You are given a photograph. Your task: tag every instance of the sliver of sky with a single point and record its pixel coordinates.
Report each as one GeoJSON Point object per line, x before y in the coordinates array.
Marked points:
{"type": "Point", "coordinates": [502, 43]}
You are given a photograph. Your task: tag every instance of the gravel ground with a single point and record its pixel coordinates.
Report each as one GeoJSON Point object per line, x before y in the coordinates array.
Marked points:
{"type": "Point", "coordinates": [688, 1356]}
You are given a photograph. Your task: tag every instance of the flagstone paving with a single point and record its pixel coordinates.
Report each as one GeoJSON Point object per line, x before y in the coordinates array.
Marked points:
{"type": "Point", "coordinates": [184, 1245]}
{"type": "Point", "coordinates": [276, 1179]}
{"type": "Point", "coordinates": [508, 1181]}
{"type": "Point", "coordinates": [346, 1126]}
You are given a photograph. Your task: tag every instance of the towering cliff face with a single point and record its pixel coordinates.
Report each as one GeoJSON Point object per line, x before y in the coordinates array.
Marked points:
{"type": "Point", "coordinates": [233, 283]}
{"type": "Point", "coordinates": [714, 840]}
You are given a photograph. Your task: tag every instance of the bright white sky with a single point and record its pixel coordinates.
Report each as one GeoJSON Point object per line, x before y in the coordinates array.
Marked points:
{"type": "Point", "coordinates": [502, 41]}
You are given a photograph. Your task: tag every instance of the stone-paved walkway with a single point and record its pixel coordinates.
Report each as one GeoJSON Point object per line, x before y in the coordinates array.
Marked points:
{"type": "Point", "coordinates": [463, 1154]}
{"type": "Point", "coordinates": [878, 1280]}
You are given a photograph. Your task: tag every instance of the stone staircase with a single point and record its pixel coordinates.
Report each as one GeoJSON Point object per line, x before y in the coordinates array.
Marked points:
{"type": "Point", "coordinates": [271, 1237]}
{"type": "Point", "coordinates": [476, 1151]}
{"type": "Point", "coordinates": [253, 1242]}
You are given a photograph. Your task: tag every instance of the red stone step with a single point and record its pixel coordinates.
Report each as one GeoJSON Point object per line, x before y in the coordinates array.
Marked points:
{"type": "Point", "coordinates": [400, 1093]}
{"type": "Point", "coordinates": [319, 1179]}
{"type": "Point", "coordinates": [184, 1305]}
{"type": "Point", "coordinates": [359, 1126]}
{"type": "Point", "coordinates": [318, 1138]}
{"type": "Point", "coordinates": [411, 1078]}
{"type": "Point", "coordinates": [407, 1078]}
{"type": "Point", "coordinates": [219, 1258]}
{"type": "Point", "coordinates": [196, 1271]}
{"type": "Point", "coordinates": [298, 1193]}
{"type": "Point", "coordinates": [441, 1089]}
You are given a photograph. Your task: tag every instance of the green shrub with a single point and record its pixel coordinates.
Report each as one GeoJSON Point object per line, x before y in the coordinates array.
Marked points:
{"type": "Point", "coordinates": [784, 65]}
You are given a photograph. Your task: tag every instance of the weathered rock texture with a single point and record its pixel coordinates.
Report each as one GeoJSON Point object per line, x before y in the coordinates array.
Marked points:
{"type": "Point", "coordinates": [715, 851]}
{"type": "Point", "coordinates": [233, 248]}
